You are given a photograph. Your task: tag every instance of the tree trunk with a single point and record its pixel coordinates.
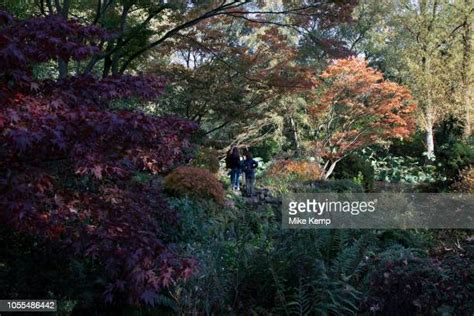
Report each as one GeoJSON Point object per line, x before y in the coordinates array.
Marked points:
{"type": "Point", "coordinates": [328, 173]}
{"type": "Point", "coordinates": [466, 71]}
{"type": "Point", "coordinates": [64, 11]}
{"type": "Point", "coordinates": [429, 136]}
{"type": "Point", "coordinates": [467, 113]}
{"type": "Point", "coordinates": [115, 63]}
{"type": "Point", "coordinates": [107, 67]}
{"type": "Point", "coordinates": [62, 68]}
{"type": "Point", "coordinates": [428, 105]}
{"type": "Point", "coordinates": [294, 135]}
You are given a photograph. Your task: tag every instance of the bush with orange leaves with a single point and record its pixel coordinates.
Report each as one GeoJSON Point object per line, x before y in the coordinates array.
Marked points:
{"type": "Point", "coordinates": [357, 107]}
{"type": "Point", "coordinates": [296, 170]}
{"type": "Point", "coordinates": [194, 182]}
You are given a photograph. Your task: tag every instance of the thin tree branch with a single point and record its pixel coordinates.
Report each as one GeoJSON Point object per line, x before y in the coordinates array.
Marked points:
{"type": "Point", "coordinates": [215, 12]}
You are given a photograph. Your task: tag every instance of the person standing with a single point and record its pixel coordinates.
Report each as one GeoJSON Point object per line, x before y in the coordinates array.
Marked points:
{"type": "Point", "coordinates": [235, 166]}
{"type": "Point", "coordinates": [249, 166]}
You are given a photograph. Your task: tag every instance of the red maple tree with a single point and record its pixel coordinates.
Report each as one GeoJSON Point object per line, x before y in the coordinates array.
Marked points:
{"type": "Point", "coordinates": [356, 108]}
{"type": "Point", "coordinates": [66, 159]}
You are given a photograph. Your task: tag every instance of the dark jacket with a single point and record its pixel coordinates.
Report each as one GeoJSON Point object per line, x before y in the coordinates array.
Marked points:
{"type": "Point", "coordinates": [233, 162]}
{"type": "Point", "coordinates": [249, 166]}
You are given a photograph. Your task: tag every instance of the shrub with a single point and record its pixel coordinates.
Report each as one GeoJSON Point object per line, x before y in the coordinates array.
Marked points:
{"type": "Point", "coordinates": [262, 167]}
{"type": "Point", "coordinates": [402, 281]}
{"type": "Point", "coordinates": [66, 161]}
{"type": "Point", "coordinates": [306, 273]}
{"type": "Point", "coordinates": [207, 158]}
{"type": "Point", "coordinates": [20, 278]}
{"type": "Point", "coordinates": [465, 184]}
{"type": "Point", "coordinates": [406, 169]}
{"type": "Point", "coordinates": [248, 265]}
{"type": "Point", "coordinates": [453, 157]}
{"type": "Point", "coordinates": [223, 239]}
{"type": "Point", "coordinates": [334, 186]}
{"type": "Point", "coordinates": [266, 150]}
{"type": "Point", "coordinates": [194, 182]}
{"type": "Point", "coordinates": [452, 153]}
{"type": "Point", "coordinates": [413, 146]}
{"type": "Point", "coordinates": [356, 168]}
{"type": "Point", "coordinates": [296, 169]}
{"type": "Point", "coordinates": [282, 175]}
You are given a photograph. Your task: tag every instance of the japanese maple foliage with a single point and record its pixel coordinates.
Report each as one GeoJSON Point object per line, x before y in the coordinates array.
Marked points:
{"type": "Point", "coordinates": [66, 159]}
{"type": "Point", "coordinates": [357, 107]}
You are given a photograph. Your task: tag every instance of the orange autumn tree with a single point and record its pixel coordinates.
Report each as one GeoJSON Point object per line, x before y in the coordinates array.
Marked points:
{"type": "Point", "coordinates": [356, 107]}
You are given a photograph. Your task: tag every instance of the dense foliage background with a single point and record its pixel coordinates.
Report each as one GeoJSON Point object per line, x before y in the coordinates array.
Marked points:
{"type": "Point", "coordinates": [115, 117]}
